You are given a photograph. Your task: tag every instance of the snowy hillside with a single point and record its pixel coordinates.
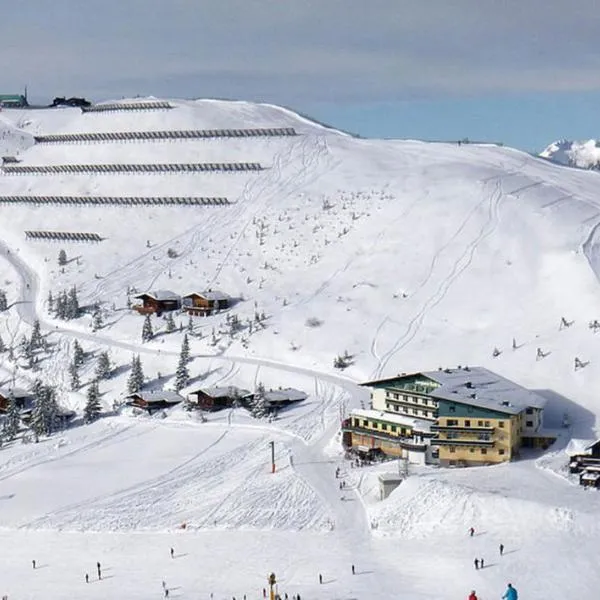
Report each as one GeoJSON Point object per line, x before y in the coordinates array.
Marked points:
{"type": "Point", "coordinates": [406, 255]}
{"type": "Point", "coordinates": [585, 155]}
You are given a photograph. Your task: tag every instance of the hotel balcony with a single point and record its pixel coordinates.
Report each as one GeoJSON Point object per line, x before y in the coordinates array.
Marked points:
{"type": "Point", "coordinates": [406, 443]}
{"type": "Point", "coordinates": [462, 442]}
{"type": "Point", "coordinates": [447, 428]}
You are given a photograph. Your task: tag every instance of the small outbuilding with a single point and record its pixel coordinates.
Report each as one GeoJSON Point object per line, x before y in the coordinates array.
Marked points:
{"type": "Point", "coordinates": [157, 302]}
{"type": "Point", "coordinates": [206, 303]}
{"type": "Point", "coordinates": [590, 477]}
{"type": "Point", "coordinates": [216, 398]}
{"type": "Point", "coordinates": [23, 398]}
{"type": "Point", "coordinates": [154, 400]}
{"type": "Point", "coordinates": [276, 399]}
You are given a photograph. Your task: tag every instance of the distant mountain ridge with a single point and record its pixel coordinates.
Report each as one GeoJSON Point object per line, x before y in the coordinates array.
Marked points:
{"type": "Point", "coordinates": [582, 154]}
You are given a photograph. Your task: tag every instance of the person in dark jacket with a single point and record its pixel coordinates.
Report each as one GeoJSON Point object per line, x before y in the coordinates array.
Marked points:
{"type": "Point", "coordinates": [476, 563]}
{"type": "Point", "coordinates": [481, 563]}
{"type": "Point", "coordinates": [501, 549]}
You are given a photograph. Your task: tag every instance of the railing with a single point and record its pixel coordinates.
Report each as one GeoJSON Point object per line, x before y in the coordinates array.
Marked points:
{"type": "Point", "coordinates": [446, 428]}
{"type": "Point", "coordinates": [187, 134]}
{"type": "Point", "coordinates": [461, 442]}
{"type": "Point", "coordinates": [406, 443]}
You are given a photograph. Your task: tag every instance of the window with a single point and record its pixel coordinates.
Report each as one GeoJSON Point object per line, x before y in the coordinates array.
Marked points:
{"type": "Point", "coordinates": [451, 449]}
{"type": "Point", "coordinates": [355, 422]}
{"type": "Point", "coordinates": [500, 423]}
{"type": "Point", "coordinates": [396, 407]}
{"type": "Point", "coordinates": [425, 401]}
{"type": "Point", "coordinates": [467, 423]}
{"type": "Point", "coordinates": [383, 427]}
{"type": "Point", "coordinates": [374, 425]}
{"type": "Point", "coordinates": [452, 408]}
{"type": "Point", "coordinates": [451, 422]}
{"type": "Point", "coordinates": [479, 423]}
{"type": "Point", "coordinates": [487, 423]}
{"type": "Point", "coordinates": [388, 406]}
{"type": "Point", "coordinates": [403, 432]}
{"type": "Point", "coordinates": [471, 450]}
{"type": "Point", "coordinates": [501, 451]}
{"type": "Point", "coordinates": [393, 429]}
{"type": "Point", "coordinates": [415, 411]}
{"type": "Point", "coordinates": [404, 409]}
{"type": "Point", "coordinates": [529, 423]}
{"type": "Point", "coordinates": [396, 396]}
{"type": "Point", "coordinates": [484, 437]}
{"type": "Point", "coordinates": [365, 423]}
{"type": "Point", "coordinates": [424, 413]}
{"type": "Point", "coordinates": [484, 451]}
{"type": "Point", "coordinates": [405, 398]}
{"type": "Point", "coordinates": [529, 411]}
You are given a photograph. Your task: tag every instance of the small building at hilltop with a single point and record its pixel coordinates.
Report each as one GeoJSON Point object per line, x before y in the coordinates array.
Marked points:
{"type": "Point", "coordinates": [157, 302]}
{"type": "Point", "coordinates": [206, 303]}
{"type": "Point", "coordinates": [216, 398]}
{"type": "Point", "coordinates": [13, 101]}
{"type": "Point", "coordinates": [154, 400]}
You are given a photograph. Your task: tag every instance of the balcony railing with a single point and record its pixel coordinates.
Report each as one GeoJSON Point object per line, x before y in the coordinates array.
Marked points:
{"type": "Point", "coordinates": [462, 442]}
{"type": "Point", "coordinates": [406, 443]}
{"type": "Point", "coordinates": [446, 428]}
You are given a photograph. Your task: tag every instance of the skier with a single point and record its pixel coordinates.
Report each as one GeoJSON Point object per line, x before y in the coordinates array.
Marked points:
{"type": "Point", "coordinates": [471, 531]}
{"type": "Point", "coordinates": [321, 580]}
{"type": "Point", "coordinates": [472, 595]}
{"type": "Point", "coordinates": [87, 578]}
{"type": "Point", "coordinates": [166, 593]}
{"type": "Point", "coordinates": [172, 553]}
{"type": "Point", "coordinates": [164, 584]}
{"type": "Point", "coordinates": [510, 593]}
{"type": "Point", "coordinates": [481, 563]}
{"type": "Point", "coordinates": [99, 568]}
{"type": "Point", "coordinates": [264, 593]}
{"type": "Point", "coordinates": [476, 561]}
{"type": "Point", "coordinates": [33, 563]}
{"type": "Point", "coordinates": [501, 549]}
{"type": "Point", "coordinates": [353, 570]}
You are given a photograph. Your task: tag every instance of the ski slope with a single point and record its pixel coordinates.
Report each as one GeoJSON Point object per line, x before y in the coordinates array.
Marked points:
{"type": "Point", "coordinates": [408, 255]}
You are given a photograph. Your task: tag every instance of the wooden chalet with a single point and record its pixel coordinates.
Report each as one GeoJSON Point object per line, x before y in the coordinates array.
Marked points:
{"type": "Point", "coordinates": [64, 415]}
{"type": "Point", "coordinates": [583, 454]}
{"type": "Point", "coordinates": [22, 397]}
{"type": "Point", "coordinates": [154, 400]}
{"type": "Point", "coordinates": [280, 398]}
{"type": "Point", "coordinates": [216, 398]}
{"type": "Point", "coordinates": [157, 302]}
{"type": "Point", "coordinates": [590, 477]}
{"type": "Point", "coordinates": [206, 303]}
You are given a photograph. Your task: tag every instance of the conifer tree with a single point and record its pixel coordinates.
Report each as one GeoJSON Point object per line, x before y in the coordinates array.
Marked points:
{"type": "Point", "coordinates": [170, 323]}
{"type": "Point", "coordinates": [147, 331]}
{"type": "Point", "coordinates": [50, 301]}
{"type": "Point", "coordinates": [2, 345]}
{"type": "Point", "coordinates": [92, 408]}
{"type": "Point", "coordinates": [185, 349]}
{"type": "Point", "coordinates": [182, 375]}
{"type": "Point", "coordinates": [3, 301]}
{"type": "Point", "coordinates": [12, 423]}
{"type": "Point", "coordinates": [259, 407]}
{"type": "Point", "coordinates": [103, 367]}
{"type": "Point", "coordinates": [72, 305]}
{"type": "Point", "coordinates": [78, 354]}
{"type": "Point", "coordinates": [74, 373]}
{"type": "Point", "coordinates": [62, 258]}
{"type": "Point", "coordinates": [97, 321]}
{"type": "Point", "coordinates": [135, 381]}
{"type": "Point", "coordinates": [190, 325]}
{"type": "Point", "coordinates": [36, 335]}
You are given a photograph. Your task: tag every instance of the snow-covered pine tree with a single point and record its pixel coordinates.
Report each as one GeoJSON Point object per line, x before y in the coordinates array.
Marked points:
{"type": "Point", "coordinates": [3, 301]}
{"type": "Point", "coordinates": [103, 367]}
{"type": "Point", "coordinates": [61, 306]}
{"type": "Point", "coordinates": [2, 345]}
{"type": "Point", "coordinates": [170, 323]}
{"type": "Point", "coordinates": [190, 325]}
{"type": "Point", "coordinates": [92, 408]}
{"type": "Point", "coordinates": [97, 321]}
{"type": "Point", "coordinates": [74, 373]}
{"type": "Point", "coordinates": [12, 423]}
{"type": "Point", "coordinates": [62, 258]}
{"type": "Point", "coordinates": [147, 331]}
{"type": "Point", "coordinates": [50, 301]}
{"type": "Point", "coordinates": [38, 421]}
{"type": "Point", "coordinates": [72, 307]}
{"type": "Point", "coordinates": [26, 349]}
{"type": "Point", "coordinates": [259, 407]}
{"type": "Point", "coordinates": [44, 418]}
{"type": "Point", "coordinates": [36, 335]}
{"type": "Point", "coordinates": [136, 376]}
{"type": "Point", "coordinates": [182, 375]}
{"type": "Point", "coordinates": [78, 353]}
{"type": "Point", "coordinates": [185, 349]}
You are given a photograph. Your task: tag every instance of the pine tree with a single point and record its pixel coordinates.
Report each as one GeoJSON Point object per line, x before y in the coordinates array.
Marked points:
{"type": "Point", "coordinates": [103, 367]}
{"type": "Point", "coordinates": [2, 345]}
{"type": "Point", "coordinates": [182, 375]}
{"type": "Point", "coordinates": [38, 423]}
{"type": "Point", "coordinates": [62, 258]}
{"type": "Point", "coordinates": [78, 354]}
{"type": "Point", "coordinates": [50, 301]}
{"type": "Point", "coordinates": [92, 408]}
{"type": "Point", "coordinates": [97, 321]}
{"type": "Point", "coordinates": [74, 373]}
{"type": "Point", "coordinates": [12, 423]}
{"type": "Point", "coordinates": [3, 301]}
{"type": "Point", "coordinates": [190, 325]}
{"type": "Point", "coordinates": [136, 376]}
{"type": "Point", "coordinates": [26, 348]}
{"type": "Point", "coordinates": [170, 323]}
{"type": "Point", "coordinates": [147, 331]}
{"type": "Point", "coordinates": [259, 406]}
{"type": "Point", "coordinates": [61, 306]}
{"type": "Point", "coordinates": [44, 418]}
{"type": "Point", "coordinates": [36, 335]}
{"type": "Point", "coordinates": [72, 305]}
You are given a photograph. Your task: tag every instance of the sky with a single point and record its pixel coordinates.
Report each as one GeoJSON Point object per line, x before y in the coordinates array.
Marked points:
{"type": "Point", "coordinates": [524, 73]}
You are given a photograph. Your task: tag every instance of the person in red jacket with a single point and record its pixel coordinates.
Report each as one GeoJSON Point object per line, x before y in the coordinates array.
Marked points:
{"type": "Point", "coordinates": [472, 595]}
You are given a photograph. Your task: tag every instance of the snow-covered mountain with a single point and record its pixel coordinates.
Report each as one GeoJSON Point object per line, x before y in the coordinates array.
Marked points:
{"type": "Point", "coordinates": [585, 155]}
{"type": "Point", "coordinates": [407, 255]}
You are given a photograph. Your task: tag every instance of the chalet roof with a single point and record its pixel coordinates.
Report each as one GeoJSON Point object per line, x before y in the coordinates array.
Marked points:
{"type": "Point", "coordinates": [396, 419]}
{"type": "Point", "coordinates": [229, 391]}
{"type": "Point", "coordinates": [15, 392]}
{"type": "Point", "coordinates": [474, 386]}
{"type": "Point", "coordinates": [159, 295]}
{"type": "Point", "coordinates": [209, 295]}
{"type": "Point", "coordinates": [580, 446]}
{"type": "Point", "coordinates": [285, 395]}
{"type": "Point", "coordinates": [157, 396]}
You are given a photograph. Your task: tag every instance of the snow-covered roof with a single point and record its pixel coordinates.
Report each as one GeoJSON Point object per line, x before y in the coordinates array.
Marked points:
{"type": "Point", "coordinates": [15, 392]}
{"type": "Point", "coordinates": [396, 419]}
{"type": "Point", "coordinates": [158, 396]}
{"type": "Point", "coordinates": [476, 386]}
{"type": "Point", "coordinates": [209, 295]}
{"type": "Point", "coordinates": [222, 392]}
{"type": "Point", "coordinates": [579, 446]}
{"type": "Point", "coordinates": [160, 295]}
{"type": "Point", "coordinates": [285, 395]}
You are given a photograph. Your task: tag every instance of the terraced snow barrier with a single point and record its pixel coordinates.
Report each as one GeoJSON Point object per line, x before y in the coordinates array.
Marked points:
{"type": "Point", "coordinates": [185, 134]}
{"type": "Point", "coordinates": [114, 106]}
{"type": "Point", "coordinates": [63, 236]}
{"type": "Point", "coordinates": [118, 200]}
{"type": "Point", "coordinates": [130, 168]}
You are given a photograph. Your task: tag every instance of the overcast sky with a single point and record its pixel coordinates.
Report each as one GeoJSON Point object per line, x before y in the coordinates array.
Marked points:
{"type": "Point", "coordinates": [356, 63]}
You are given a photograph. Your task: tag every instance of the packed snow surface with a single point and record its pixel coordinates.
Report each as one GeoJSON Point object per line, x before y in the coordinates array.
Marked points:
{"type": "Point", "coordinates": [404, 255]}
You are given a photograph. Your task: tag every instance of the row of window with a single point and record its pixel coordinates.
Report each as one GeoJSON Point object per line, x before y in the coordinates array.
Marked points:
{"type": "Point", "coordinates": [413, 399]}
{"type": "Point", "coordinates": [501, 451]}
{"type": "Point", "coordinates": [410, 411]}
{"type": "Point", "coordinates": [455, 435]}
{"type": "Point", "coordinates": [455, 423]}
{"type": "Point", "coordinates": [384, 427]}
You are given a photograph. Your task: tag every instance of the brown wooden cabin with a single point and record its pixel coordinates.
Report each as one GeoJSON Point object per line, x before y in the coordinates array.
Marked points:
{"type": "Point", "coordinates": [590, 477]}
{"type": "Point", "coordinates": [153, 400]}
{"type": "Point", "coordinates": [590, 457]}
{"type": "Point", "coordinates": [204, 304]}
{"type": "Point", "coordinates": [216, 398]}
{"type": "Point", "coordinates": [157, 302]}
{"type": "Point", "coordinates": [23, 398]}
